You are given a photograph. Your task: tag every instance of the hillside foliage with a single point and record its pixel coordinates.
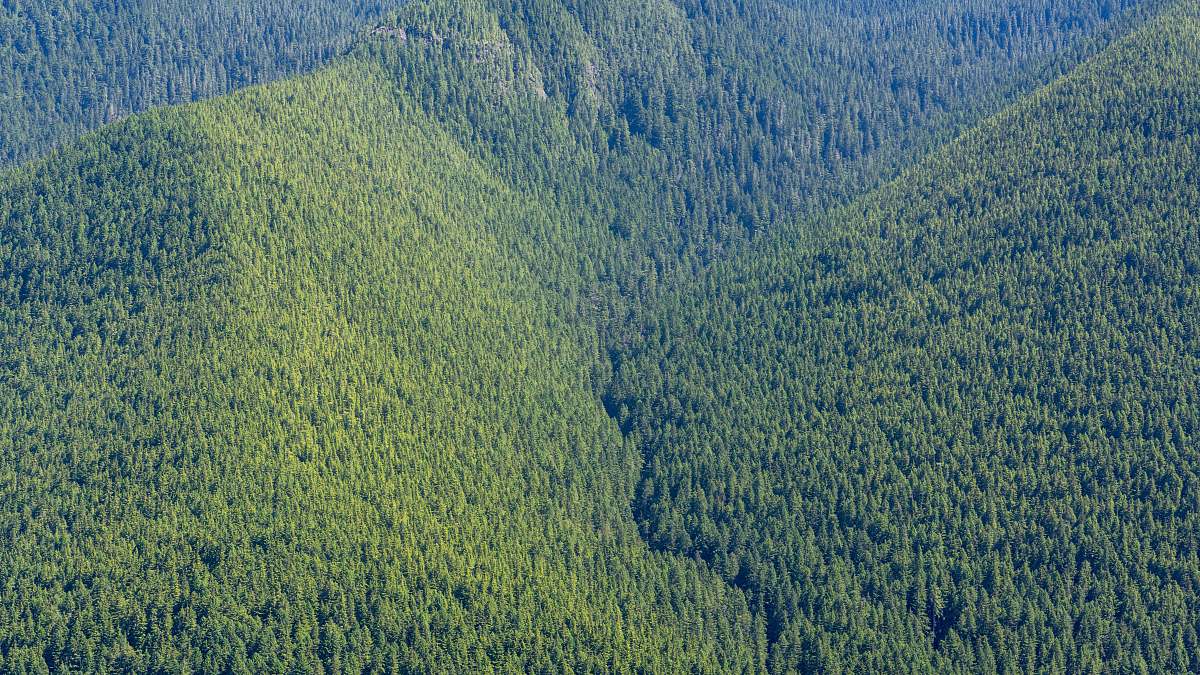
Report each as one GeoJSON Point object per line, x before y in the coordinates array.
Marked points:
{"type": "Point", "coordinates": [69, 66]}
{"type": "Point", "coordinates": [954, 424]}
{"type": "Point", "coordinates": [580, 336]}
{"type": "Point", "coordinates": [260, 418]}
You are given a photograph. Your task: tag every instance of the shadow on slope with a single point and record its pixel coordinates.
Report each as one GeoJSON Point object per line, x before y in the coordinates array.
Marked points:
{"type": "Point", "coordinates": [953, 424]}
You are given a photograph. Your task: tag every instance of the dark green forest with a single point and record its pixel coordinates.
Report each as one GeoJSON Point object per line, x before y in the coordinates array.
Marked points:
{"type": "Point", "coordinates": [598, 336]}
{"type": "Point", "coordinates": [68, 66]}
{"type": "Point", "coordinates": [954, 423]}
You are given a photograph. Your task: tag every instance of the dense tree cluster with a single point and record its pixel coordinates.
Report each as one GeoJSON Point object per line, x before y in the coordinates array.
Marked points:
{"type": "Point", "coordinates": [726, 118]}
{"type": "Point", "coordinates": [67, 66]}
{"type": "Point", "coordinates": [521, 339]}
{"type": "Point", "coordinates": [954, 425]}
{"type": "Point", "coordinates": [260, 417]}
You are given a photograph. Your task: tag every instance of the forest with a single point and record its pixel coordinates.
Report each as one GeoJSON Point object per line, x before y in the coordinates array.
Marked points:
{"type": "Point", "coordinates": [968, 401]}
{"type": "Point", "coordinates": [599, 336]}
{"type": "Point", "coordinates": [70, 66]}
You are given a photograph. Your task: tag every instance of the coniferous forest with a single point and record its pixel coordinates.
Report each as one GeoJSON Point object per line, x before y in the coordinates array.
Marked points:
{"type": "Point", "coordinates": [600, 336]}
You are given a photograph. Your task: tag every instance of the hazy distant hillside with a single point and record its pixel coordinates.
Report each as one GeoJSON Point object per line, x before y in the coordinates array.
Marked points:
{"type": "Point", "coordinates": [68, 66]}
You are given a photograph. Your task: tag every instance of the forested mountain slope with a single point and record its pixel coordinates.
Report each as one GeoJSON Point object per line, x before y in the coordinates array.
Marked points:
{"type": "Point", "coordinates": [319, 376]}
{"type": "Point", "coordinates": [277, 396]}
{"type": "Point", "coordinates": [725, 118]}
{"type": "Point", "coordinates": [67, 66]}
{"type": "Point", "coordinates": [954, 425]}
{"type": "Point", "coordinates": [824, 87]}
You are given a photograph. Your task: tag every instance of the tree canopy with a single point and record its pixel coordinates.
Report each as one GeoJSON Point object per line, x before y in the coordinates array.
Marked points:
{"type": "Point", "coordinates": [581, 336]}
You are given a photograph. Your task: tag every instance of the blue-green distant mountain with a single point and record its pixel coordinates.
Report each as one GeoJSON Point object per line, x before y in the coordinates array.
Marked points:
{"type": "Point", "coordinates": [68, 66]}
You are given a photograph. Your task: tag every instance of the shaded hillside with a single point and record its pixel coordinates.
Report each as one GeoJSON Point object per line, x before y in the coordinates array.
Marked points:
{"type": "Point", "coordinates": [831, 92]}
{"type": "Point", "coordinates": [547, 93]}
{"type": "Point", "coordinates": [68, 66]}
{"type": "Point", "coordinates": [954, 424]}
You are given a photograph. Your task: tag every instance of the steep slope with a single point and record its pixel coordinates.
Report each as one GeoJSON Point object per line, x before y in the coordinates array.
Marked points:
{"type": "Point", "coordinates": [832, 94]}
{"type": "Point", "coordinates": [953, 426]}
{"type": "Point", "coordinates": [278, 397]}
{"type": "Point", "coordinates": [735, 116]}
{"type": "Point", "coordinates": [310, 377]}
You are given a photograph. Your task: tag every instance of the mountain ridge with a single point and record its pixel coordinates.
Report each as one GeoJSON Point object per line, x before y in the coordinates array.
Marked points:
{"type": "Point", "coordinates": [866, 396]}
{"type": "Point", "coordinates": [317, 377]}
{"type": "Point", "coordinates": [324, 414]}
